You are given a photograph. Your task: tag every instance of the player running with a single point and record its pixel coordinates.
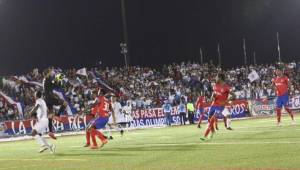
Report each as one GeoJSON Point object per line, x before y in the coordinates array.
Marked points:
{"type": "Point", "coordinates": [50, 83]}
{"type": "Point", "coordinates": [101, 110]}
{"type": "Point", "coordinates": [41, 124]}
{"type": "Point", "coordinates": [220, 99]}
{"type": "Point", "coordinates": [281, 83]}
{"type": "Point", "coordinates": [200, 108]}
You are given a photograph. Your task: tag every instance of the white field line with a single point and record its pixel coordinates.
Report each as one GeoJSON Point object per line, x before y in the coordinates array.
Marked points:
{"type": "Point", "coordinates": [39, 159]}
{"type": "Point", "coordinates": [254, 131]}
{"type": "Point", "coordinates": [18, 167]}
{"type": "Point", "coordinates": [203, 143]}
{"type": "Point", "coordinates": [267, 126]}
{"type": "Point", "coordinates": [216, 143]}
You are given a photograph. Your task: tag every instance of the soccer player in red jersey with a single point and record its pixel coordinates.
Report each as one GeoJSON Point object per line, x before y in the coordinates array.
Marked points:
{"type": "Point", "coordinates": [200, 107]}
{"type": "Point", "coordinates": [281, 83]}
{"type": "Point", "coordinates": [101, 110]}
{"type": "Point", "coordinates": [220, 99]}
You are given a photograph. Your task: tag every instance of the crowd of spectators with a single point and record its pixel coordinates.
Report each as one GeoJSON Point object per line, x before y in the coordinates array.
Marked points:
{"type": "Point", "coordinates": [145, 87]}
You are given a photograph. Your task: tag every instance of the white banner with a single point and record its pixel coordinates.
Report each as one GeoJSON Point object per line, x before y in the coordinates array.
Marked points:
{"type": "Point", "coordinates": [295, 102]}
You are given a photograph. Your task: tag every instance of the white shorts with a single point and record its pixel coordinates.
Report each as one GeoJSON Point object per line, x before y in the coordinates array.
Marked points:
{"type": "Point", "coordinates": [128, 118]}
{"type": "Point", "coordinates": [119, 118]}
{"type": "Point", "coordinates": [41, 126]}
{"type": "Point", "coordinates": [226, 112]}
{"type": "Point", "coordinates": [110, 120]}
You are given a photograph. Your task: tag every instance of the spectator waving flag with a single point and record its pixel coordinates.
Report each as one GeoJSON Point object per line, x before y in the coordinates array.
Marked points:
{"type": "Point", "coordinates": [12, 102]}
{"type": "Point", "coordinates": [253, 76]}
{"type": "Point", "coordinates": [25, 80]}
{"type": "Point", "coordinates": [100, 80]}
{"type": "Point", "coordinates": [82, 72]}
{"type": "Point", "coordinates": [61, 94]}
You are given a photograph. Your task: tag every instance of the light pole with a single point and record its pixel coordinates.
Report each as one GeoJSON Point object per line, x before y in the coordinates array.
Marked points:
{"type": "Point", "coordinates": [201, 56]}
{"type": "Point", "coordinates": [124, 51]}
{"type": "Point", "coordinates": [254, 58]}
{"type": "Point", "coordinates": [278, 44]}
{"type": "Point", "coordinates": [219, 55]}
{"type": "Point", "coordinates": [245, 52]}
{"type": "Point", "coordinates": [125, 33]}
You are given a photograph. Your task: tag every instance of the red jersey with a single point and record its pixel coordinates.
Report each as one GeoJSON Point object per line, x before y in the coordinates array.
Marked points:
{"type": "Point", "coordinates": [221, 93]}
{"type": "Point", "coordinates": [281, 85]}
{"type": "Point", "coordinates": [102, 108]}
{"type": "Point", "coordinates": [200, 102]}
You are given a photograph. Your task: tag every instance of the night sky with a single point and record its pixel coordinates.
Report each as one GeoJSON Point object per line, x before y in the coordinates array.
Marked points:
{"type": "Point", "coordinates": [78, 33]}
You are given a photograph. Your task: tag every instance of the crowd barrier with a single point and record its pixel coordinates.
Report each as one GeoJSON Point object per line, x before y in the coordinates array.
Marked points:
{"type": "Point", "coordinates": [150, 117]}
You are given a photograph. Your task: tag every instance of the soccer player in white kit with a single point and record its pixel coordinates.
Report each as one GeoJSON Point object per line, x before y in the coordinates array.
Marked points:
{"type": "Point", "coordinates": [127, 110]}
{"type": "Point", "coordinates": [41, 124]}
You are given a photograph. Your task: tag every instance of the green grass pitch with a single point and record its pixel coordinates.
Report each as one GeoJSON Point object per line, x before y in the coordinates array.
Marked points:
{"type": "Point", "coordinates": [253, 144]}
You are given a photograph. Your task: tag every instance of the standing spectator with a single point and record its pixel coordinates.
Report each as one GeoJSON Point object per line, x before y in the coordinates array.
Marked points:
{"type": "Point", "coordinates": [182, 113]}
{"type": "Point", "coordinates": [167, 109]}
{"type": "Point", "coordinates": [191, 111]}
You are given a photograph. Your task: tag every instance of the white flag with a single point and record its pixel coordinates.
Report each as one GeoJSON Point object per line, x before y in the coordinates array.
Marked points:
{"type": "Point", "coordinates": [82, 72]}
{"type": "Point", "coordinates": [253, 76]}
{"type": "Point", "coordinates": [10, 101]}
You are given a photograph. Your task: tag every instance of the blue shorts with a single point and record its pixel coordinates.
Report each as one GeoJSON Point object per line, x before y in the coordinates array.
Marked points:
{"type": "Point", "coordinates": [200, 111]}
{"type": "Point", "coordinates": [215, 110]}
{"type": "Point", "coordinates": [282, 101]}
{"type": "Point", "coordinates": [99, 122]}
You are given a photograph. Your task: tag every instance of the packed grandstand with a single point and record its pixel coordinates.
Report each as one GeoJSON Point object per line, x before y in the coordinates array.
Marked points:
{"type": "Point", "coordinates": [143, 87]}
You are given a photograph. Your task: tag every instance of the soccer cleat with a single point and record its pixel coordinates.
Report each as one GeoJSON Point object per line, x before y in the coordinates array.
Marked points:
{"type": "Point", "coordinates": [51, 135]}
{"type": "Point", "coordinates": [87, 145]}
{"type": "Point", "coordinates": [43, 149]}
{"type": "Point", "coordinates": [122, 132]}
{"type": "Point", "coordinates": [203, 139]}
{"type": "Point", "coordinates": [199, 126]}
{"type": "Point", "coordinates": [52, 148]}
{"type": "Point", "coordinates": [94, 147]}
{"type": "Point", "coordinates": [110, 138]}
{"type": "Point", "coordinates": [229, 128]}
{"type": "Point", "coordinates": [293, 122]}
{"type": "Point", "coordinates": [103, 143]}
{"type": "Point", "coordinates": [278, 124]}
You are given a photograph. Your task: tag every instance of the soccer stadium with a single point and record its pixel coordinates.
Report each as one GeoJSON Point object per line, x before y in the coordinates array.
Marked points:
{"type": "Point", "coordinates": [142, 85]}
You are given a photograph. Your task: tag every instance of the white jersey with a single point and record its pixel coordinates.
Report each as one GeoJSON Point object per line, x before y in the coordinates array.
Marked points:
{"type": "Point", "coordinates": [128, 113]}
{"type": "Point", "coordinates": [127, 109]}
{"type": "Point", "coordinates": [116, 106]}
{"type": "Point", "coordinates": [42, 109]}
